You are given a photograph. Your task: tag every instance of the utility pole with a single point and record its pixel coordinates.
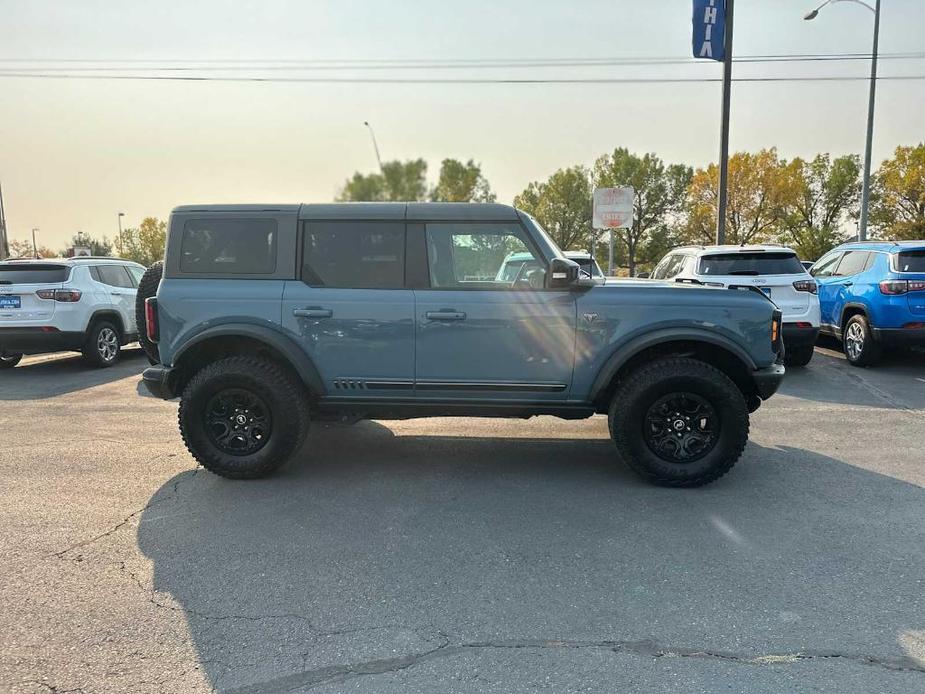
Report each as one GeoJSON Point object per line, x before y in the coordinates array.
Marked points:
{"type": "Point", "coordinates": [724, 128]}
{"type": "Point", "coordinates": [121, 242]}
{"type": "Point", "coordinates": [35, 248]}
{"type": "Point", "coordinates": [865, 190]}
{"type": "Point", "coordinates": [4, 242]}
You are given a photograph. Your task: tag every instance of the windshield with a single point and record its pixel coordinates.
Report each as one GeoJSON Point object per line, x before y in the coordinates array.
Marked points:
{"type": "Point", "coordinates": [589, 267]}
{"type": "Point", "coordinates": [758, 263]}
{"type": "Point", "coordinates": [911, 261]}
{"type": "Point", "coordinates": [32, 273]}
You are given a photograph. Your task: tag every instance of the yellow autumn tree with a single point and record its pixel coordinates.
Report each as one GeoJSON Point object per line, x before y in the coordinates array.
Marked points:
{"type": "Point", "coordinates": [898, 200]}
{"type": "Point", "coordinates": [762, 187]}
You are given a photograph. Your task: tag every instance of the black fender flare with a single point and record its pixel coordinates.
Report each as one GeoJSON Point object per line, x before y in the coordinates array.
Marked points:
{"type": "Point", "coordinates": [111, 315]}
{"type": "Point", "coordinates": [283, 344]}
{"type": "Point", "coordinates": [849, 305]}
{"type": "Point", "coordinates": [624, 352]}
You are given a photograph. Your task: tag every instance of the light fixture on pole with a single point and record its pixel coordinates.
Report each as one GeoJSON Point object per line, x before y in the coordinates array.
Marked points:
{"type": "Point", "coordinates": [865, 189]}
{"type": "Point", "coordinates": [375, 146]}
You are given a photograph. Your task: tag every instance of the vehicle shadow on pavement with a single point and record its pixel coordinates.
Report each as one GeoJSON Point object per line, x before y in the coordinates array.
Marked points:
{"type": "Point", "coordinates": [374, 550]}
{"type": "Point", "coordinates": [67, 373]}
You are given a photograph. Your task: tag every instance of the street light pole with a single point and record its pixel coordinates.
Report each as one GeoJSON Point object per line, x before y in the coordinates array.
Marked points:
{"type": "Point", "coordinates": [871, 103]}
{"type": "Point", "coordinates": [121, 242]}
{"type": "Point", "coordinates": [724, 128]}
{"type": "Point", "coordinates": [35, 249]}
{"type": "Point", "coordinates": [375, 146]}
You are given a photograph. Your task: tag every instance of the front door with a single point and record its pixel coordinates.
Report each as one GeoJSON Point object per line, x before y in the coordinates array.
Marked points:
{"type": "Point", "coordinates": [350, 310]}
{"type": "Point", "coordinates": [487, 328]}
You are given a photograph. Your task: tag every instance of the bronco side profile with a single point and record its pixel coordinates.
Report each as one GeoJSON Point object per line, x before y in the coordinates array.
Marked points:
{"type": "Point", "coordinates": [268, 317]}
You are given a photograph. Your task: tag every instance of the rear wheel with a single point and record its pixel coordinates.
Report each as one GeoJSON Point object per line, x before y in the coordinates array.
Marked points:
{"type": "Point", "coordinates": [103, 344]}
{"type": "Point", "coordinates": [243, 417]}
{"type": "Point", "coordinates": [679, 422]}
{"type": "Point", "coordinates": [8, 361]}
{"type": "Point", "coordinates": [798, 356]}
{"type": "Point", "coordinates": [858, 342]}
{"type": "Point", "coordinates": [147, 287]}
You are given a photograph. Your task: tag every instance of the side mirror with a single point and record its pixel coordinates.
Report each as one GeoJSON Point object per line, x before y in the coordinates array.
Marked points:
{"type": "Point", "coordinates": [643, 275]}
{"type": "Point", "coordinates": [563, 273]}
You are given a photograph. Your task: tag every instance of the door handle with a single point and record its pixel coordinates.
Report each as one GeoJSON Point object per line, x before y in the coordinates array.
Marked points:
{"type": "Point", "coordinates": [116, 293]}
{"type": "Point", "coordinates": [847, 284]}
{"type": "Point", "coordinates": [445, 315]}
{"type": "Point", "coordinates": [313, 312]}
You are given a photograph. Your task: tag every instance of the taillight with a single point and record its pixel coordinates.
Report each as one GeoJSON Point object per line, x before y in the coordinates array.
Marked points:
{"type": "Point", "coordinates": [151, 327]}
{"type": "Point", "coordinates": [893, 287]}
{"type": "Point", "coordinates": [65, 295]}
{"type": "Point", "coordinates": [806, 286]}
{"type": "Point", "coordinates": [775, 330]}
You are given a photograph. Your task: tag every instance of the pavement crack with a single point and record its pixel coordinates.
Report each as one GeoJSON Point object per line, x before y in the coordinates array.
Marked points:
{"type": "Point", "coordinates": [174, 493]}
{"type": "Point", "coordinates": [329, 674]}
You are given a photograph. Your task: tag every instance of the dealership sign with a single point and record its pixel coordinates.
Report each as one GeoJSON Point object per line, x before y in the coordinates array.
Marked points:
{"type": "Point", "coordinates": [709, 29]}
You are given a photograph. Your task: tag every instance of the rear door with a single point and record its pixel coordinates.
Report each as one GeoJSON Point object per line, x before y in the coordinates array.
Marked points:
{"type": "Point", "coordinates": [19, 282]}
{"type": "Point", "coordinates": [121, 291]}
{"type": "Point", "coordinates": [350, 310]}
{"type": "Point", "coordinates": [484, 335]}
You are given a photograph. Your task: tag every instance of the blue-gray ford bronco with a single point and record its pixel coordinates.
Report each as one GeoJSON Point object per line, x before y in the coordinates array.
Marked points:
{"type": "Point", "coordinates": [268, 317]}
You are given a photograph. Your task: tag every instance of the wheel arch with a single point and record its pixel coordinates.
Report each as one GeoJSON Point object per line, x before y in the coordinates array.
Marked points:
{"type": "Point", "coordinates": [852, 308]}
{"type": "Point", "coordinates": [109, 314]}
{"type": "Point", "coordinates": [243, 338]}
{"type": "Point", "coordinates": [712, 348]}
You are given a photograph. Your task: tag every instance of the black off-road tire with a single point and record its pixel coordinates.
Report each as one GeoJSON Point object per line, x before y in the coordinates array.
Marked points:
{"type": "Point", "coordinates": [869, 352]}
{"type": "Point", "coordinates": [279, 393]}
{"type": "Point", "coordinates": [8, 361]}
{"type": "Point", "coordinates": [659, 379]}
{"type": "Point", "coordinates": [104, 344]}
{"type": "Point", "coordinates": [798, 356]}
{"type": "Point", "coordinates": [147, 287]}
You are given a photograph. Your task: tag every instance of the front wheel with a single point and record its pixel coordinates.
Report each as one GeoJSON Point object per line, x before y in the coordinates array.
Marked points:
{"type": "Point", "coordinates": [8, 361]}
{"type": "Point", "coordinates": [243, 417]}
{"type": "Point", "coordinates": [679, 422]}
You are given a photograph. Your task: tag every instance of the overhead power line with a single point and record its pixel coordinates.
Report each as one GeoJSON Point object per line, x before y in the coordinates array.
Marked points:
{"type": "Point", "coordinates": [463, 80]}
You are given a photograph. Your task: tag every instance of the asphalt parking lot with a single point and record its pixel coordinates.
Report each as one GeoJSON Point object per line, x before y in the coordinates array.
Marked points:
{"type": "Point", "coordinates": [452, 555]}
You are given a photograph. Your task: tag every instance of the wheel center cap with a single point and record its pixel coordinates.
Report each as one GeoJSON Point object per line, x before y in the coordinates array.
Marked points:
{"type": "Point", "coordinates": [678, 424]}
{"type": "Point", "coordinates": [240, 419]}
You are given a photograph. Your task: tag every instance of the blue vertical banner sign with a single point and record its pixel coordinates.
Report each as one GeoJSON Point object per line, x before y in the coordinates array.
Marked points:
{"type": "Point", "coordinates": [709, 29]}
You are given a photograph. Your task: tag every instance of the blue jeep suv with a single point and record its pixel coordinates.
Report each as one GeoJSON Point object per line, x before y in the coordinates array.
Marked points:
{"type": "Point", "coordinates": [268, 317]}
{"type": "Point", "coordinates": [872, 296]}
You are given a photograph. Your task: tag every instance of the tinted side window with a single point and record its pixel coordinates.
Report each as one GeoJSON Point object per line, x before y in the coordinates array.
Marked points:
{"type": "Point", "coordinates": [136, 273]}
{"type": "Point", "coordinates": [484, 255]}
{"type": "Point", "coordinates": [229, 246]}
{"type": "Point", "coordinates": [911, 261]}
{"type": "Point", "coordinates": [825, 265]}
{"type": "Point", "coordinates": [114, 276]}
{"type": "Point", "coordinates": [852, 263]}
{"type": "Point", "coordinates": [358, 255]}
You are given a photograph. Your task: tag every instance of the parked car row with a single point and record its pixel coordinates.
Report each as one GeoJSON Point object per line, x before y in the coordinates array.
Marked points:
{"type": "Point", "coordinates": [83, 304]}
{"type": "Point", "coordinates": [868, 295]}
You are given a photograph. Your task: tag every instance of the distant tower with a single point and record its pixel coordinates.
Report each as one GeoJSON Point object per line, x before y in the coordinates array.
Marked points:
{"type": "Point", "coordinates": [4, 242]}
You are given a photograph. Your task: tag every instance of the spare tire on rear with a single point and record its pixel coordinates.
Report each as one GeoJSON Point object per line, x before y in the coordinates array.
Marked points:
{"type": "Point", "coordinates": [147, 287]}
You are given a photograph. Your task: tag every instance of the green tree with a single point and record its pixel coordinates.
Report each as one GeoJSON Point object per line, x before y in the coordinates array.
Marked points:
{"type": "Point", "coordinates": [145, 243]}
{"type": "Point", "coordinates": [98, 246]}
{"type": "Point", "coordinates": [759, 192]}
{"type": "Point", "coordinates": [658, 200]}
{"type": "Point", "coordinates": [397, 182]}
{"type": "Point", "coordinates": [23, 249]}
{"type": "Point", "coordinates": [562, 204]}
{"type": "Point", "coordinates": [898, 196]}
{"type": "Point", "coordinates": [460, 182]}
{"type": "Point", "coordinates": [828, 194]}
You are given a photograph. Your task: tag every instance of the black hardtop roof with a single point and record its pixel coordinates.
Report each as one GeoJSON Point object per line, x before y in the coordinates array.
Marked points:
{"type": "Point", "coordinates": [411, 211]}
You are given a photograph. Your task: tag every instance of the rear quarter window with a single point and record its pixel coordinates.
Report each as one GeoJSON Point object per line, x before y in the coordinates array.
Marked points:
{"type": "Point", "coordinates": [11, 273]}
{"type": "Point", "coordinates": [760, 263]}
{"type": "Point", "coordinates": [911, 261]}
{"type": "Point", "coordinates": [229, 246]}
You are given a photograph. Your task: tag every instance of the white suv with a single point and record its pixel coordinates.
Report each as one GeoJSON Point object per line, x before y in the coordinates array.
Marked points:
{"type": "Point", "coordinates": [82, 304]}
{"type": "Point", "coordinates": [775, 270]}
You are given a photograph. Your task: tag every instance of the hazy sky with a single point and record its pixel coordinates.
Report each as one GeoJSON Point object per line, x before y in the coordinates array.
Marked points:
{"type": "Point", "coordinates": [74, 152]}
